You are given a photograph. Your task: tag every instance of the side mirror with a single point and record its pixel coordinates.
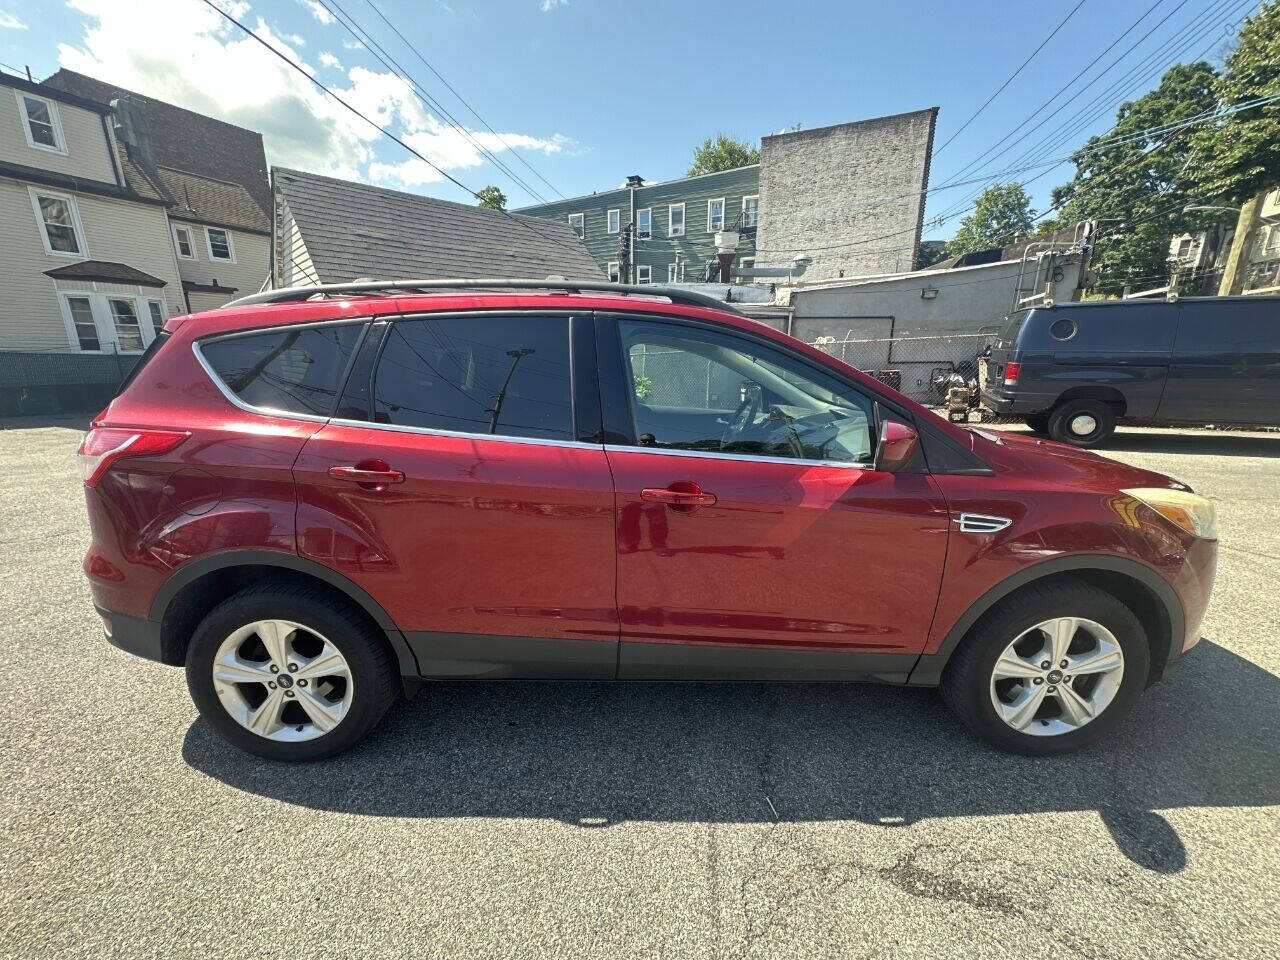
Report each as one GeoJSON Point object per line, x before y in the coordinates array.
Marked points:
{"type": "Point", "coordinates": [897, 446]}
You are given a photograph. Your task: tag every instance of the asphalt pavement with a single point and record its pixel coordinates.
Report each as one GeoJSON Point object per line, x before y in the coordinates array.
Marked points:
{"type": "Point", "coordinates": [634, 820]}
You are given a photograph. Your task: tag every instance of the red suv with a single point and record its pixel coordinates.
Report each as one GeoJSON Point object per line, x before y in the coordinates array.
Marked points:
{"type": "Point", "coordinates": [317, 499]}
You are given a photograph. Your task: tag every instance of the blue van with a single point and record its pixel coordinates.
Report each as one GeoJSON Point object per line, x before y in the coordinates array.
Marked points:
{"type": "Point", "coordinates": [1074, 370]}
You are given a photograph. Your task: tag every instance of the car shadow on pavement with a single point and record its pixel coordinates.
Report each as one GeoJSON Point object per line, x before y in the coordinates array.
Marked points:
{"type": "Point", "coordinates": [596, 754]}
{"type": "Point", "coordinates": [1205, 443]}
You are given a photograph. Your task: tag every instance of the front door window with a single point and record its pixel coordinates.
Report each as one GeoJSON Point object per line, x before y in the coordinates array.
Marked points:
{"type": "Point", "coordinates": [703, 390]}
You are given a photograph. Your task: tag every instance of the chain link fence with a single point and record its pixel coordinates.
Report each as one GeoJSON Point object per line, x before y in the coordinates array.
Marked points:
{"type": "Point", "coordinates": [923, 368]}
{"type": "Point", "coordinates": [45, 378]}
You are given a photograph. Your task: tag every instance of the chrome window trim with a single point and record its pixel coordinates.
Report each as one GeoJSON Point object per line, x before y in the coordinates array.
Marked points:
{"type": "Point", "coordinates": [745, 457]}
{"type": "Point", "coordinates": [461, 435]}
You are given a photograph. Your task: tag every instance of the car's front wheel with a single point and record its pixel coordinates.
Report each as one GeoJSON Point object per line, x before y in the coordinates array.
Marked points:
{"type": "Point", "coordinates": [1051, 669]}
{"type": "Point", "coordinates": [289, 673]}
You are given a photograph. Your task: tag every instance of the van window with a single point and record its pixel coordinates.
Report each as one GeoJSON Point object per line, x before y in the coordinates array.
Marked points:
{"type": "Point", "coordinates": [507, 376]}
{"type": "Point", "coordinates": [1236, 326]}
{"type": "Point", "coordinates": [292, 370]}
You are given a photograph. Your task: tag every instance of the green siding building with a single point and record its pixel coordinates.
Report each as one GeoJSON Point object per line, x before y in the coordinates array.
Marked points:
{"type": "Point", "coordinates": [675, 223]}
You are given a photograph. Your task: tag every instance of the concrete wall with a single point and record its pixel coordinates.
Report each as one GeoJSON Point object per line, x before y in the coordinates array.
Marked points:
{"type": "Point", "coordinates": [927, 333]}
{"type": "Point", "coordinates": [850, 196]}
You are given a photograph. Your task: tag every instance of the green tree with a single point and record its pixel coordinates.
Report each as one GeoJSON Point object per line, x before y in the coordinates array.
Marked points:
{"type": "Point", "coordinates": [491, 198]}
{"type": "Point", "coordinates": [723, 153]}
{"type": "Point", "coordinates": [1240, 156]}
{"type": "Point", "coordinates": [1136, 189]}
{"type": "Point", "coordinates": [1001, 216]}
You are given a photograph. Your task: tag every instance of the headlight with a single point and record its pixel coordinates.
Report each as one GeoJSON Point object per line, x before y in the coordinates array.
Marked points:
{"type": "Point", "coordinates": [1184, 509]}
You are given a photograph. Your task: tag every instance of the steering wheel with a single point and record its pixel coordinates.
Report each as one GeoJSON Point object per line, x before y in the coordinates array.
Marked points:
{"type": "Point", "coordinates": [746, 414]}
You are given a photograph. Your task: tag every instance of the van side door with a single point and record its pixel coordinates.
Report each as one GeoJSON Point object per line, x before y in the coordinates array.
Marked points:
{"type": "Point", "coordinates": [1121, 347]}
{"type": "Point", "coordinates": [1226, 363]}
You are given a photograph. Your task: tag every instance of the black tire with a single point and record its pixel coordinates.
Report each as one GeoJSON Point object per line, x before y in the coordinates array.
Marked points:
{"type": "Point", "coordinates": [374, 682]}
{"type": "Point", "coordinates": [1066, 420]}
{"type": "Point", "coordinates": [1038, 422]}
{"type": "Point", "coordinates": [966, 682]}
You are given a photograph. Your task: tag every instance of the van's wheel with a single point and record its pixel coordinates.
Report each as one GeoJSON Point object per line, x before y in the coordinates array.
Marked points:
{"type": "Point", "coordinates": [1038, 422]}
{"type": "Point", "coordinates": [289, 673]}
{"type": "Point", "coordinates": [1082, 423]}
{"type": "Point", "coordinates": [1051, 669]}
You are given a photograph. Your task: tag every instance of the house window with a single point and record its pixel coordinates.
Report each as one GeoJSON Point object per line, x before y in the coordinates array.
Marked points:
{"type": "Point", "coordinates": [577, 223]}
{"type": "Point", "coordinates": [644, 274]}
{"type": "Point", "coordinates": [128, 330]}
{"type": "Point", "coordinates": [614, 272]}
{"type": "Point", "coordinates": [750, 211]}
{"type": "Point", "coordinates": [675, 272]}
{"type": "Point", "coordinates": [40, 123]}
{"type": "Point", "coordinates": [220, 246]}
{"type": "Point", "coordinates": [715, 215]}
{"type": "Point", "coordinates": [183, 243]}
{"type": "Point", "coordinates": [748, 263]}
{"type": "Point", "coordinates": [81, 316]}
{"type": "Point", "coordinates": [156, 309]}
{"type": "Point", "coordinates": [59, 223]}
{"type": "Point", "coordinates": [675, 220]}
{"type": "Point", "coordinates": [615, 221]}
{"type": "Point", "coordinates": [644, 224]}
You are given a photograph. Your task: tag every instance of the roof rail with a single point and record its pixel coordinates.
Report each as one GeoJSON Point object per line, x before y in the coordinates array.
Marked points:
{"type": "Point", "coordinates": [295, 294]}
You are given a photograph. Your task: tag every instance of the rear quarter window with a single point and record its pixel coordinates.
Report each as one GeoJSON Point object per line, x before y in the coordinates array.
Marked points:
{"type": "Point", "coordinates": [1126, 328]}
{"type": "Point", "coordinates": [291, 370]}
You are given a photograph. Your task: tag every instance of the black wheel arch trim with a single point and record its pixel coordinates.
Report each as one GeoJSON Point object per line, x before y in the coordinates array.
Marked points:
{"type": "Point", "coordinates": [227, 559]}
{"type": "Point", "coordinates": [928, 669]}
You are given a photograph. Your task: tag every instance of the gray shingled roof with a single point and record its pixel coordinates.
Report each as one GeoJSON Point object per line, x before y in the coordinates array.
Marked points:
{"type": "Point", "coordinates": [185, 140]}
{"type": "Point", "coordinates": [212, 201]}
{"type": "Point", "coordinates": [353, 230]}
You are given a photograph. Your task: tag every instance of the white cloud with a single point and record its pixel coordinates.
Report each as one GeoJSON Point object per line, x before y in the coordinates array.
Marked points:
{"type": "Point", "coordinates": [318, 10]}
{"type": "Point", "coordinates": [349, 44]}
{"type": "Point", "coordinates": [184, 52]}
{"type": "Point", "coordinates": [294, 39]}
{"type": "Point", "coordinates": [549, 5]}
{"type": "Point", "coordinates": [9, 22]}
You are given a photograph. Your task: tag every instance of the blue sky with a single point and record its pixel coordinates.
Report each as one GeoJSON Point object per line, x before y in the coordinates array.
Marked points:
{"type": "Point", "coordinates": [587, 101]}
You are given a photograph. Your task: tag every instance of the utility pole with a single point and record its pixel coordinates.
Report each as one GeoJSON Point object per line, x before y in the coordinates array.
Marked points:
{"type": "Point", "coordinates": [1237, 266]}
{"type": "Point", "coordinates": [624, 254]}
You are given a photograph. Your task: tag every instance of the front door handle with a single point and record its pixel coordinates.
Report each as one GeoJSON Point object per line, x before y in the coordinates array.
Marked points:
{"type": "Point", "coordinates": [682, 493]}
{"type": "Point", "coordinates": [369, 474]}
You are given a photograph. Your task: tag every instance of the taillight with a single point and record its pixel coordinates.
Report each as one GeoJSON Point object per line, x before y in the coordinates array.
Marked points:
{"type": "Point", "coordinates": [1011, 371]}
{"type": "Point", "coordinates": [103, 446]}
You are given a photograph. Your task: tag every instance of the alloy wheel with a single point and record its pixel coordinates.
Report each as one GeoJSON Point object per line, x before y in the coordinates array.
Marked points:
{"type": "Point", "coordinates": [282, 681]}
{"type": "Point", "coordinates": [1057, 676]}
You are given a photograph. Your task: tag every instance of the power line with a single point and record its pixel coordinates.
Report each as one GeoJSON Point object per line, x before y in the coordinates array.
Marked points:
{"type": "Point", "coordinates": [360, 34]}
{"type": "Point", "coordinates": [414, 50]}
{"type": "Point", "coordinates": [1074, 124]}
{"type": "Point", "coordinates": [1011, 77]}
{"type": "Point", "coordinates": [387, 133]}
{"type": "Point", "coordinates": [1031, 116]}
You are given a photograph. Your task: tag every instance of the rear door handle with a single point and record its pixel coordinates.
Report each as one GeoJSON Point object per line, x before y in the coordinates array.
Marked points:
{"type": "Point", "coordinates": [372, 475]}
{"type": "Point", "coordinates": [679, 494]}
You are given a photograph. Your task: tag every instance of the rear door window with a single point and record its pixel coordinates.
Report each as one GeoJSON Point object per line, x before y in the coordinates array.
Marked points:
{"type": "Point", "coordinates": [292, 370]}
{"type": "Point", "coordinates": [500, 375]}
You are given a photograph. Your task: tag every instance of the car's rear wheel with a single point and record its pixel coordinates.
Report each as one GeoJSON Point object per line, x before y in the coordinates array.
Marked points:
{"type": "Point", "coordinates": [1082, 423]}
{"type": "Point", "coordinates": [289, 673]}
{"type": "Point", "coordinates": [1051, 669]}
